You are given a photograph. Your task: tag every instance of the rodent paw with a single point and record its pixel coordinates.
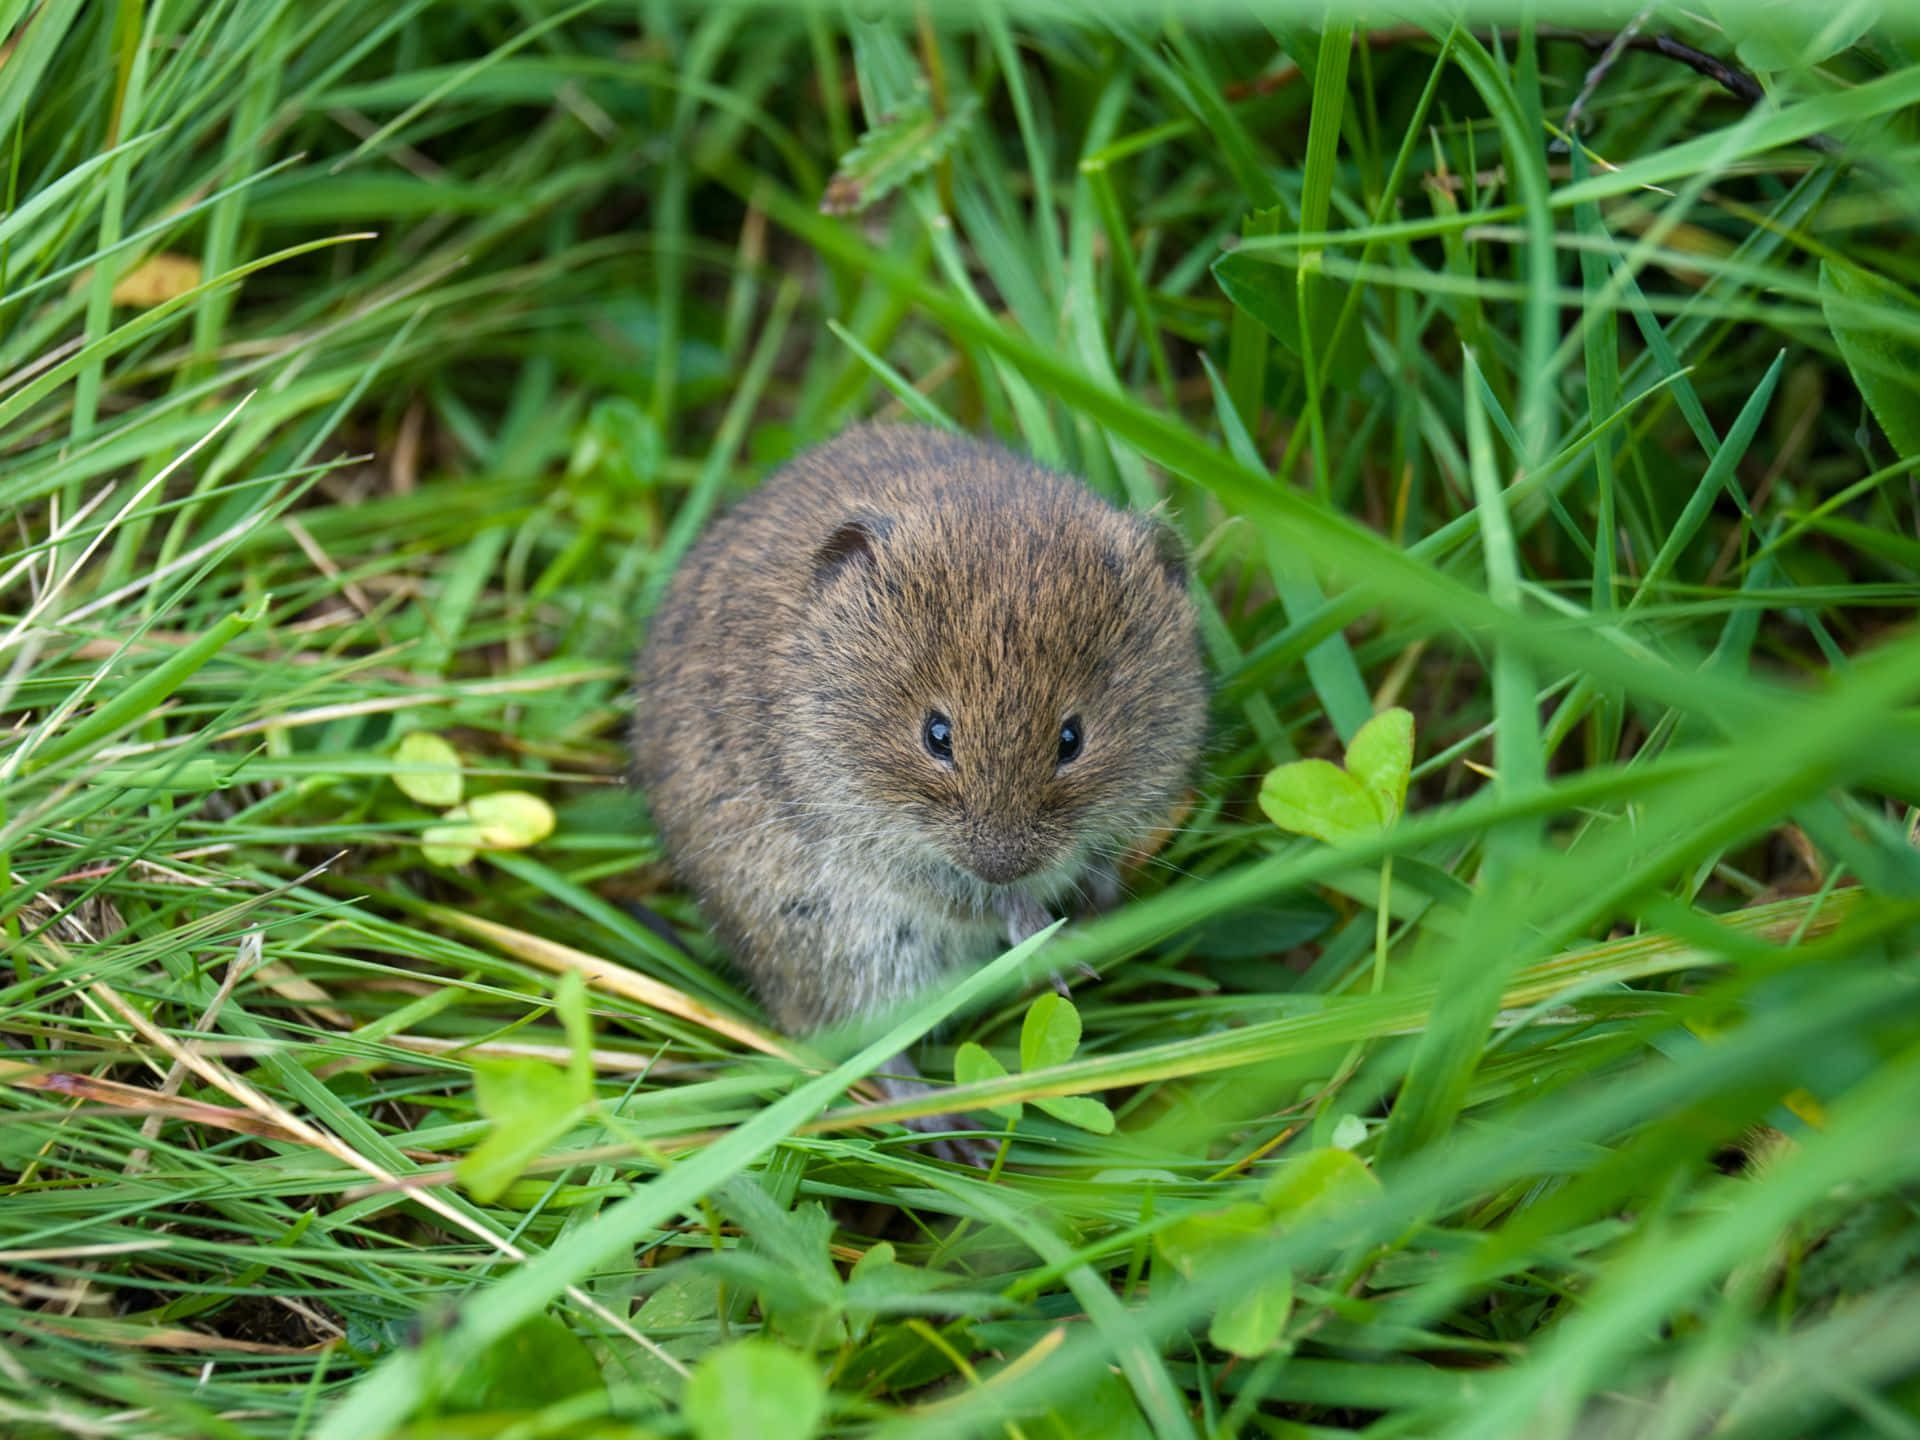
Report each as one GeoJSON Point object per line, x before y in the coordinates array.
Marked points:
{"type": "Point", "coordinates": [1084, 970]}
{"type": "Point", "coordinates": [973, 1151]}
{"type": "Point", "coordinates": [905, 1084]}
{"type": "Point", "coordinates": [1022, 915]}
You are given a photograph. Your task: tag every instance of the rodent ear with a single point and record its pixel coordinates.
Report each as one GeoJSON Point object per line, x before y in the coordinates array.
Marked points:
{"type": "Point", "coordinates": [853, 542]}
{"type": "Point", "coordinates": [1167, 547]}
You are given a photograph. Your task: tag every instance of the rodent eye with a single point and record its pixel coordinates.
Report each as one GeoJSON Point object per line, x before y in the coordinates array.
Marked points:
{"type": "Point", "coordinates": [938, 735]}
{"type": "Point", "coordinates": [1069, 739]}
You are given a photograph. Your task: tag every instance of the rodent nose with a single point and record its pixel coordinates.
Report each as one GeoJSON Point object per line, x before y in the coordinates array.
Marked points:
{"type": "Point", "coordinates": [999, 860]}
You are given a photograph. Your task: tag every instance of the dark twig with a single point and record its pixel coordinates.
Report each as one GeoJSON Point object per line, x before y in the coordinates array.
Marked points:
{"type": "Point", "coordinates": [1597, 73]}
{"type": "Point", "coordinates": [1734, 81]}
{"type": "Point", "coordinates": [1730, 78]}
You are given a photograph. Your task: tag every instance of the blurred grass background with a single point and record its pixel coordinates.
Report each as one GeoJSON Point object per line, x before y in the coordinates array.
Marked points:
{"type": "Point", "coordinates": [365, 370]}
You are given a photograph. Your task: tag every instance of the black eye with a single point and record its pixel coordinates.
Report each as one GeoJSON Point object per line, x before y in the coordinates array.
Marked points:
{"type": "Point", "coordinates": [1069, 739]}
{"type": "Point", "coordinates": [938, 735]}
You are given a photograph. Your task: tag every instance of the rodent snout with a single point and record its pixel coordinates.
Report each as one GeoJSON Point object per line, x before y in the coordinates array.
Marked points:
{"type": "Point", "coordinates": [1002, 859]}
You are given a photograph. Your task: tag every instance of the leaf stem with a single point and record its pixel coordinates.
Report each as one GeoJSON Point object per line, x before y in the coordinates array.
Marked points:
{"type": "Point", "coordinates": [1380, 926]}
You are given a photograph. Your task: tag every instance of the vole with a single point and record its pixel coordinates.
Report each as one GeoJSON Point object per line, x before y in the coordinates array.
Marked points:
{"type": "Point", "coordinates": [905, 701]}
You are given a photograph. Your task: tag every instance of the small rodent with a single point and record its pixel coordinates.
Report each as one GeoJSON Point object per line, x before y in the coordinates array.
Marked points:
{"type": "Point", "coordinates": [905, 700]}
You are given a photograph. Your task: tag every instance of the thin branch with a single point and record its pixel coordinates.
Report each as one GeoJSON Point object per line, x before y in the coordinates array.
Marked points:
{"type": "Point", "coordinates": [1735, 81]}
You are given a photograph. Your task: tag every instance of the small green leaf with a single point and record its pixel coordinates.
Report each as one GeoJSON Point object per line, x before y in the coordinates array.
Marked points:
{"type": "Point", "coordinates": [1079, 1110]}
{"type": "Point", "coordinates": [684, 1299]}
{"type": "Point", "coordinates": [530, 1103]}
{"type": "Point", "coordinates": [870, 1272]}
{"type": "Point", "coordinates": [876, 1260]}
{"type": "Point", "coordinates": [539, 1362]}
{"type": "Point", "coordinates": [1050, 1033]}
{"type": "Point", "coordinates": [1270, 293]}
{"type": "Point", "coordinates": [1208, 1237]}
{"type": "Point", "coordinates": [503, 820]}
{"type": "Point", "coordinates": [800, 1291]}
{"type": "Point", "coordinates": [681, 1312]}
{"type": "Point", "coordinates": [1380, 757]}
{"type": "Point", "coordinates": [1320, 1183]}
{"type": "Point", "coordinates": [451, 844]}
{"type": "Point", "coordinates": [799, 1241]}
{"type": "Point", "coordinates": [756, 1389]}
{"type": "Point", "coordinates": [620, 444]}
{"type": "Point", "coordinates": [1318, 798]}
{"type": "Point", "coordinates": [511, 819]}
{"type": "Point", "coordinates": [880, 1284]}
{"type": "Point", "coordinates": [1250, 1324]}
{"type": "Point", "coordinates": [905, 143]}
{"type": "Point", "coordinates": [1885, 365]}
{"type": "Point", "coordinates": [973, 1063]}
{"type": "Point", "coordinates": [427, 770]}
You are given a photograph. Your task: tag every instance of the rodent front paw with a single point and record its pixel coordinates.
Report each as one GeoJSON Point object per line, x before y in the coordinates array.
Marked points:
{"type": "Point", "coordinates": [905, 1084]}
{"type": "Point", "coordinates": [1022, 915]}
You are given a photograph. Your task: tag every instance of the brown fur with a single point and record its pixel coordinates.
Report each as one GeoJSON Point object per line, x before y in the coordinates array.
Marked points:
{"type": "Point", "coordinates": [783, 693]}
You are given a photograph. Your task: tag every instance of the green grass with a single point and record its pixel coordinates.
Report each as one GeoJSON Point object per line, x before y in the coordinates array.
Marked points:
{"type": "Point", "coordinates": [1582, 1101]}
